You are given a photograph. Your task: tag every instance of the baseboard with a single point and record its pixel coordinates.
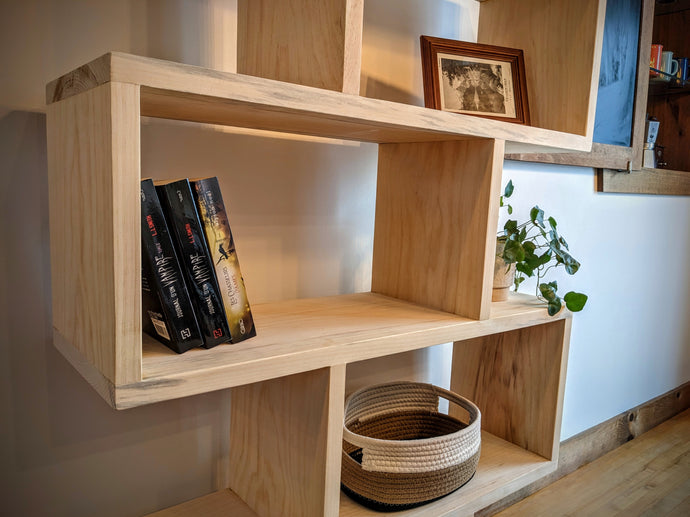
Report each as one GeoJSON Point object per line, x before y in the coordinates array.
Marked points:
{"type": "Point", "coordinates": [596, 441]}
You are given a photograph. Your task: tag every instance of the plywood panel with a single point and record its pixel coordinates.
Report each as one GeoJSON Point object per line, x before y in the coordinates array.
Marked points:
{"type": "Point", "coordinates": [517, 379]}
{"type": "Point", "coordinates": [562, 43]}
{"type": "Point", "coordinates": [310, 42]}
{"type": "Point", "coordinates": [285, 434]}
{"type": "Point", "coordinates": [436, 210]}
{"type": "Point", "coordinates": [93, 153]}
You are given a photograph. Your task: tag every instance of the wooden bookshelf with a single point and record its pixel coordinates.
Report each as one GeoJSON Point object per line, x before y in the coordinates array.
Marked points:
{"type": "Point", "coordinates": [431, 267]}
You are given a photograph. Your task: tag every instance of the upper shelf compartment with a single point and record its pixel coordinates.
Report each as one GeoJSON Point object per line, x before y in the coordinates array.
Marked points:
{"type": "Point", "coordinates": [319, 43]}
{"type": "Point", "coordinates": [184, 92]}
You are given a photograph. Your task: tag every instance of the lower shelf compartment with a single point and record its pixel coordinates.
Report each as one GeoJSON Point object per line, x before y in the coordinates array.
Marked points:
{"type": "Point", "coordinates": [503, 469]}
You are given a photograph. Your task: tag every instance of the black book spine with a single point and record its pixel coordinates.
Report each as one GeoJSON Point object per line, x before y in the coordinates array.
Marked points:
{"type": "Point", "coordinates": [214, 220]}
{"type": "Point", "coordinates": [190, 243]}
{"type": "Point", "coordinates": [161, 271]}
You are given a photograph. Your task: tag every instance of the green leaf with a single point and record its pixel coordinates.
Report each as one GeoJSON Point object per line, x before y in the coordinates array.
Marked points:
{"type": "Point", "coordinates": [548, 292]}
{"type": "Point", "coordinates": [537, 216]}
{"type": "Point", "coordinates": [529, 247]}
{"type": "Point", "coordinates": [565, 258]}
{"type": "Point", "coordinates": [513, 252]}
{"type": "Point", "coordinates": [545, 258]}
{"type": "Point", "coordinates": [525, 268]}
{"type": "Point", "coordinates": [575, 301]}
{"type": "Point", "coordinates": [510, 210]}
{"type": "Point", "coordinates": [509, 189]}
{"type": "Point", "coordinates": [510, 227]}
{"type": "Point", "coordinates": [500, 201]}
{"type": "Point", "coordinates": [554, 285]}
{"type": "Point", "coordinates": [552, 223]}
{"type": "Point", "coordinates": [554, 306]}
{"type": "Point", "coordinates": [572, 266]}
{"type": "Point", "coordinates": [553, 235]}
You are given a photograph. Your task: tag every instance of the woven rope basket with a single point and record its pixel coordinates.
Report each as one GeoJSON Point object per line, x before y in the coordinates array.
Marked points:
{"type": "Point", "coordinates": [399, 451]}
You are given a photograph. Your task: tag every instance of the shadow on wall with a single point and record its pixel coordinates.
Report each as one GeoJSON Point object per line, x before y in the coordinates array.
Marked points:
{"type": "Point", "coordinates": [391, 63]}
{"type": "Point", "coordinates": [56, 432]}
{"type": "Point", "coordinates": [301, 209]}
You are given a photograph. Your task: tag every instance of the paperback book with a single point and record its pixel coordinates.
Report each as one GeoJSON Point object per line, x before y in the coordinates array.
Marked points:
{"type": "Point", "coordinates": [221, 245]}
{"type": "Point", "coordinates": [190, 243]}
{"type": "Point", "coordinates": [171, 317]}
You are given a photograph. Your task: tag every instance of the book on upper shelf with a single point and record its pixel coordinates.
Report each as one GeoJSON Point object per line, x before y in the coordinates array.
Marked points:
{"type": "Point", "coordinates": [216, 226]}
{"type": "Point", "coordinates": [188, 237]}
{"type": "Point", "coordinates": [167, 312]}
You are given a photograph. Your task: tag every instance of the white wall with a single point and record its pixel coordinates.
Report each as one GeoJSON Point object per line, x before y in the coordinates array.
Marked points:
{"type": "Point", "coordinates": [632, 341]}
{"type": "Point", "coordinates": [302, 212]}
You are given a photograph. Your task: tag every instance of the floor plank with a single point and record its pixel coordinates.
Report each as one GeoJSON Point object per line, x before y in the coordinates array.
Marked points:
{"type": "Point", "coordinates": [648, 476]}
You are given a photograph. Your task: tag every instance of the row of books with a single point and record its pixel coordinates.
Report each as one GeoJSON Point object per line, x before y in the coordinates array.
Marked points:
{"type": "Point", "coordinates": [193, 293]}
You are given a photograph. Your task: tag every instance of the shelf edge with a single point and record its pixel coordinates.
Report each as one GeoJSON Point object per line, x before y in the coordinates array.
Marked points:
{"type": "Point", "coordinates": [86, 369]}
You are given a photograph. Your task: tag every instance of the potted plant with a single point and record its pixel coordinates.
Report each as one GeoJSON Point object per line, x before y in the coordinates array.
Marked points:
{"type": "Point", "coordinates": [531, 248]}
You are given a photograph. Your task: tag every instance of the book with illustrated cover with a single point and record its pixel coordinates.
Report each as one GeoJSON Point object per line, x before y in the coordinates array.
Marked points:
{"type": "Point", "coordinates": [181, 213]}
{"type": "Point", "coordinates": [165, 300]}
{"type": "Point", "coordinates": [216, 226]}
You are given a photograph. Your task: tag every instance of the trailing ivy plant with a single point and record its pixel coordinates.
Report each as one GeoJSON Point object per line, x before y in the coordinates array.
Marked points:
{"type": "Point", "coordinates": [536, 249]}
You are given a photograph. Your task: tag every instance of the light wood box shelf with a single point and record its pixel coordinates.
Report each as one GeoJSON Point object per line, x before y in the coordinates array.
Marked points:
{"type": "Point", "coordinates": [94, 148]}
{"type": "Point", "coordinates": [288, 383]}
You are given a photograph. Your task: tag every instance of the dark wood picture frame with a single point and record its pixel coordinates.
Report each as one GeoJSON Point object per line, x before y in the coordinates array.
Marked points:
{"type": "Point", "coordinates": [485, 80]}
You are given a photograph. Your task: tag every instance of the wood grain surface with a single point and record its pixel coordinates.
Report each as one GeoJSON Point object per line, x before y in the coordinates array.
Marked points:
{"type": "Point", "coordinates": [562, 77]}
{"type": "Point", "coordinates": [311, 42]}
{"type": "Point", "coordinates": [93, 157]}
{"type": "Point", "coordinates": [516, 379]}
{"type": "Point", "coordinates": [184, 92]}
{"type": "Point", "coordinates": [646, 181]}
{"type": "Point", "coordinates": [646, 476]}
{"type": "Point", "coordinates": [301, 335]}
{"type": "Point", "coordinates": [436, 208]}
{"type": "Point", "coordinates": [284, 437]}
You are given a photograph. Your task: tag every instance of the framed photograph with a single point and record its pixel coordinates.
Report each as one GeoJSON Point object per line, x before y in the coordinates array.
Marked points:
{"type": "Point", "coordinates": [474, 79]}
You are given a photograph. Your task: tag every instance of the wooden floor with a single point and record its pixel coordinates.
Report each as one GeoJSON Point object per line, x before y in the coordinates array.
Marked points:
{"type": "Point", "coordinates": [648, 476]}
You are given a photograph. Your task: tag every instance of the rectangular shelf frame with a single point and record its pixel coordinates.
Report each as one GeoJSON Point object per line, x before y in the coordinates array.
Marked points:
{"type": "Point", "coordinates": [289, 382]}
{"type": "Point", "coordinates": [94, 117]}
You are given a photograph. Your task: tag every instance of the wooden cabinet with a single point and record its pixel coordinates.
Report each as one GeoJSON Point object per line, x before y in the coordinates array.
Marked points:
{"type": "Point", "coordinates": [438, 187]}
